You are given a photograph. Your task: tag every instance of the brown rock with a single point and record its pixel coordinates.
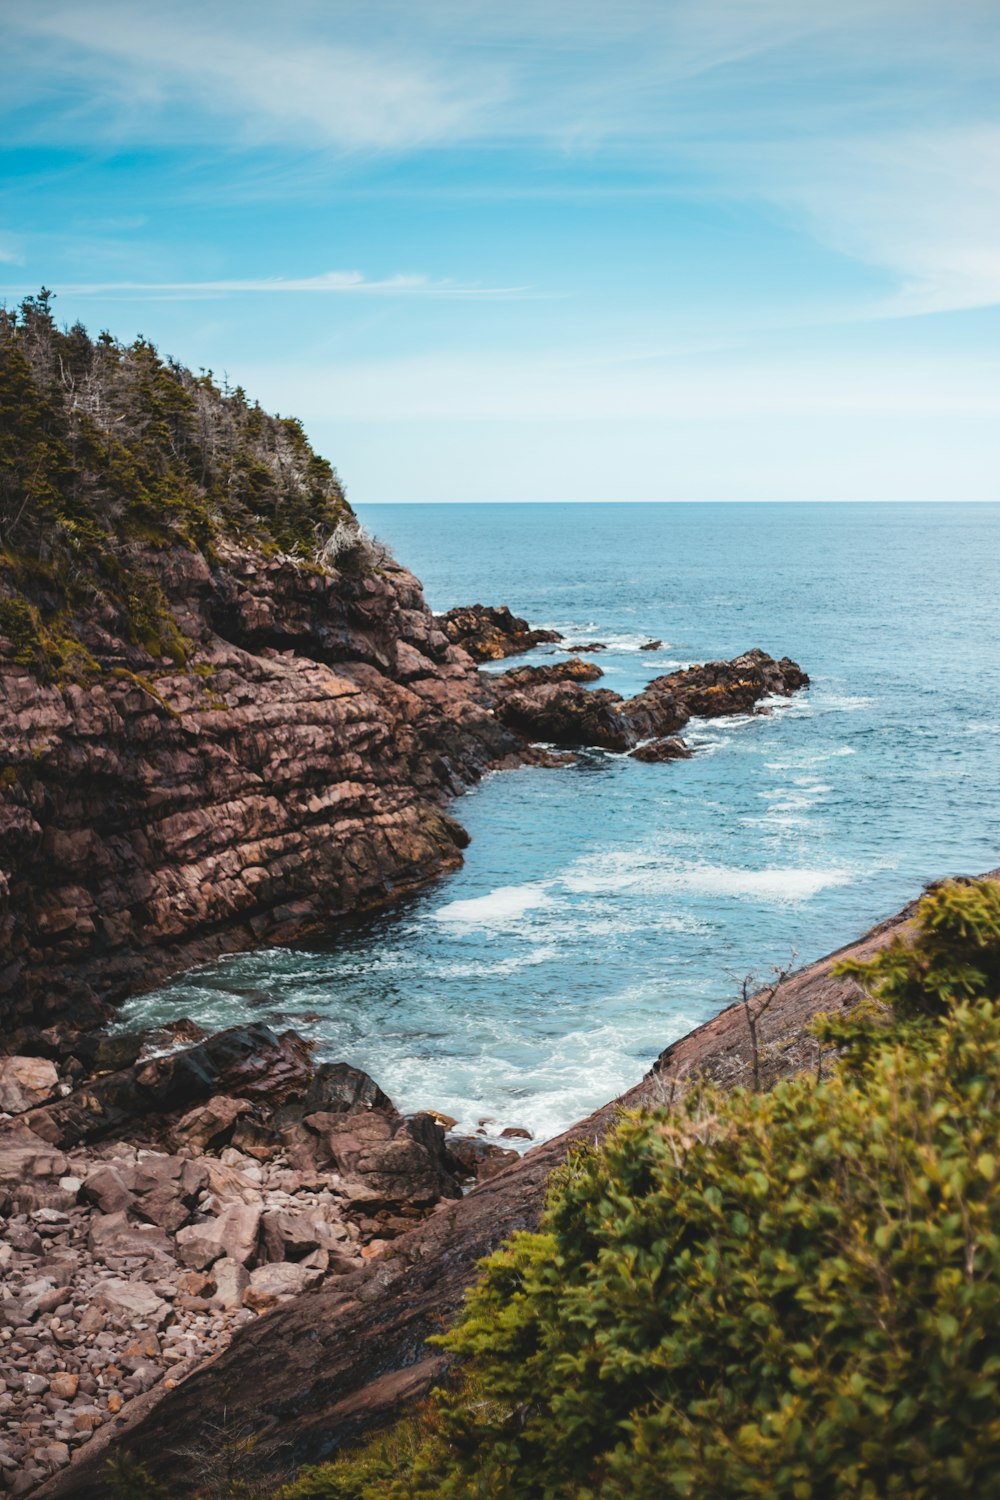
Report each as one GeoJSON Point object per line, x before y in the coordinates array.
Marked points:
{"type": "Point", "coordinates": [671, 748]}
{"type": "Point", "coordinates": [231, 1281]}
{"type": "Point", "coordinates": [274, 1283]}
{"type": "Point", "coordinates": [489, 633]}
{"type": "Point", "coordinates": [105, 1188]}
{"type": "Point", "coordinates": [232, 1233]}
{"type": "Point", "coordinates": [209, 1124]}
{"type": "Point", "coordinates": [25, 1082]}
{"type": "Point", "coordinates": [135, 1300]}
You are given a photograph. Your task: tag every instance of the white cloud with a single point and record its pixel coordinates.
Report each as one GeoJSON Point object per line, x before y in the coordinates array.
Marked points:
{"type": "Point", "coordinates": [339, 282]}
{"type": "Point", "coordinates": [162, 74]}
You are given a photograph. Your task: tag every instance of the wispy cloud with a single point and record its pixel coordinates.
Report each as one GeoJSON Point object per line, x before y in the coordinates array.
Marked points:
{"type": "Point", "coordinates": [114, 69]}
{"type": "Point", "coordinates": [337, 282]}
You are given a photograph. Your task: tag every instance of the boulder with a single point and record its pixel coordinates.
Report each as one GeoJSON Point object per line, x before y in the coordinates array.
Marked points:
{"type": "Point", "coordinates": [272, 1284]}
{"type": "Point", "coordinates": [409, 1168]}
{"type": "Point", "coordinates": [650, 645]}
{"type": "Point", "coordinates": [233, 1233]}
{"type": "Point", "coordinates": [231, 1280]}
{"type": "Point", "coordinates": [671, 748]}
{"type": "Point", "coordinates": [134, 1300]}
{"type": "Point", "coordinates": [209, 1125]}
{"type": "Point", "coordinates": [112, 1235]}
{"type": "Point", "coordinates": [26, 1082]}
{"type": "Point", "coordinates": [479, 1159]}
{"type": "Point", "coordinates": [26, 1156]}
{"type": "Point", "coordinates": [105, 1188]}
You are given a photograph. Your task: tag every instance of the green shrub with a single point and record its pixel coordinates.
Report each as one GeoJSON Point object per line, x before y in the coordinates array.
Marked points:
{"type": "Point", "coordinates": [793, 1294]}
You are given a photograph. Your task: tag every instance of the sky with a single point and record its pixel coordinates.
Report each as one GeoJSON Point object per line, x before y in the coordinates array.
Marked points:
{"type": "Point", "coordinates": [656, 250]}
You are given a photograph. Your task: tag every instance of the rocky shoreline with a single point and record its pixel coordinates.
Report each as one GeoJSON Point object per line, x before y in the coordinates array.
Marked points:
{"type": "Point", "coordinates": [157, 1194]}
{"type": "Point", "coordinates": [345, 1356]}
{"type": "Point", "coordinates": [152, 1210]}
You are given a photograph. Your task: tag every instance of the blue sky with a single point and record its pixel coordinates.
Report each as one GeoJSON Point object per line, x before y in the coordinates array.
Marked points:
{"type": "Point", "coordinates": [685, 250]}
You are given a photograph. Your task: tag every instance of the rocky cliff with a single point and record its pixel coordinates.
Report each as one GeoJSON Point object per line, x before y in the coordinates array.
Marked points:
{"type": "Point", "coordinates": [225, 715]}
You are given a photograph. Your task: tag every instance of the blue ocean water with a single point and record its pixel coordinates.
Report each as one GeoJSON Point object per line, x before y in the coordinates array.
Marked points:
{"type": "Point", "coordinates": [606, 908]}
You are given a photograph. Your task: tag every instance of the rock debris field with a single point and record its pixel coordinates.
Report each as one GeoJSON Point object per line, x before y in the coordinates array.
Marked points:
{"type": "Point", "coordinates": [134, 1244]}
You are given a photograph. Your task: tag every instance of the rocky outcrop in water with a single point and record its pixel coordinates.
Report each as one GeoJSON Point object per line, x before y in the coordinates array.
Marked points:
{"type": "Point", "coordinates": [489, 632]}
{"type": "Point", "coordinates": [547, 703]}
{"type": "Point", "coordinates": [344, 1358]}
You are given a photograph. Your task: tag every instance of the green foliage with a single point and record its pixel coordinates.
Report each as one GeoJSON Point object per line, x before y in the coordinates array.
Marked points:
{"type": "Point", "coordinates": [109, 454]}
{"type": "Point", "coordinates": [953, 953]}
{"type": "Point", "coordinates": [364, 1472]}
{"type": "Point", "coordinates": [127, 1479]}
{"type": "Point", "coordinates": [792, 1294]}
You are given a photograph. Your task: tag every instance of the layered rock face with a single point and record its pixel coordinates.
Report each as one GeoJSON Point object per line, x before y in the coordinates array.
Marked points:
{"type": "Point", "coordinates": [293, 769]}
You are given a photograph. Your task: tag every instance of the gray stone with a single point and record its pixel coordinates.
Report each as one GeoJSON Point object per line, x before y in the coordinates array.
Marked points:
{"type": "Point", "coordinates": [134, 1300]}
{"type": "Point", "coordinates": [231, 1281]}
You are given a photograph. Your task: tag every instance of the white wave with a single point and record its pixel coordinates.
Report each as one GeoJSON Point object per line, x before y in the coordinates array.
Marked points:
{"type": "Point", "coordinates": [803, 760]}
{"type": "Point", "coordinates": [503, 907]}
{"type": "Point", "coordinates": [504, 966]}
{"type": "Point", "coordinates": [624, 873]}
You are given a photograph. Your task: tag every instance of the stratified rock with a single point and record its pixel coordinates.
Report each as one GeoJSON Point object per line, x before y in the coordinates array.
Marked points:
{"type": "Point", "coordinates": [250, 1062]}
{"type": "Point", "coordinates": [729, 687]}
{"type": "Point", "coordinates": [671, 748]}
{"type": "Point", "coordinates": [25, 1082]}
{"type": "Point", "coordinates": [564, 713]}
{"type": "Point", "coordinates": [573, 670]}
{"type": "Point", "coordinates": [490, 632]}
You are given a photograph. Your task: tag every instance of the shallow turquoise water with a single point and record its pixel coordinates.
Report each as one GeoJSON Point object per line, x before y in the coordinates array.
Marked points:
{"type": "Point", "coordinates": [605, 909]}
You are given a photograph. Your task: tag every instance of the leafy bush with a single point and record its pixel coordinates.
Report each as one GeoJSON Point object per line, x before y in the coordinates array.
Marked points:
{"type": "Point", "coordinates": [793, 1294]}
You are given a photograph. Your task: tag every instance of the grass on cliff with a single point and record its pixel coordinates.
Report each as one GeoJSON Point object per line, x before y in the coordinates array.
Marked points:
{"type": "Point", "coordinates": [110, 453]}
{"type": "Point", "coordinates": [792, 1294]}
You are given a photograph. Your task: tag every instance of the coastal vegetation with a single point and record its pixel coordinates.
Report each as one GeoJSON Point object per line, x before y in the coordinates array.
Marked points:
{"type": "Point", "coordinates": [793, 1293]}
{"type": "Point", "coordinates": [111, 454]}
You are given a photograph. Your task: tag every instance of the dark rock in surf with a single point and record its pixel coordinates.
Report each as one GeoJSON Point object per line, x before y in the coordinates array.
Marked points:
{"type": "Point", "coordinates": [671, 748]}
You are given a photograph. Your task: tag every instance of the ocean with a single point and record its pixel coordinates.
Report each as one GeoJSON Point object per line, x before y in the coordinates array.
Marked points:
{"type": "Point", "coordinates": [606, 908]}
